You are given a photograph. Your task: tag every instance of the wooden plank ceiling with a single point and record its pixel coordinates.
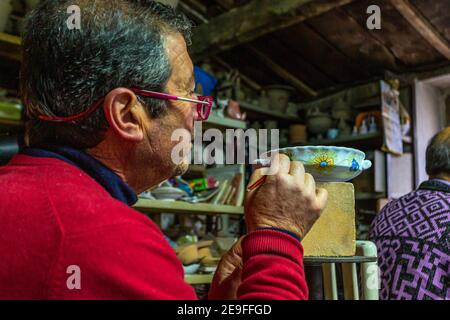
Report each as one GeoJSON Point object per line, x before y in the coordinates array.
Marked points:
{"type": "Point", "coordinates": [328, 49]}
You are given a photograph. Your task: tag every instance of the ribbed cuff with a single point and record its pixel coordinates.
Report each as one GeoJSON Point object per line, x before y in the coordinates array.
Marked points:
{"type": "Point", "coordinates": [270, 241]}
{"type": "Point", "coordinates": [292, 234]}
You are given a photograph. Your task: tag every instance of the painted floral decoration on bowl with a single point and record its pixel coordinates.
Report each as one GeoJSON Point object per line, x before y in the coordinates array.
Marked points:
{"type": "Point", "coordinates": [329, 164]}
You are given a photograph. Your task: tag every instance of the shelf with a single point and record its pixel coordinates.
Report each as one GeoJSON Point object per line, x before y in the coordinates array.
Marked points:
{"type": "Point", "coordinates": [245, 106]}
{"type": "Point", "coordinates": [10, 47]}
{"type": "Point", "coordinates": [7, 126]}
{"type": "Point", "coordinates": [225, 122]}
{"type": "Point", "coordinates": [199, 278]}
{"type": "Point", "coordinates": [158, 206]}
{"type": "Point", "coordinates": [347, 140]}
{"type": "Point", "coordinates": [369, 196]}
{"type": "Point", "coordinates": [11, 39]}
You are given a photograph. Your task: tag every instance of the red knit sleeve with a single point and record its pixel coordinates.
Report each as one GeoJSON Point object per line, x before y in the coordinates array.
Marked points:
{"type": "Point", "coordinates": [272, 267]}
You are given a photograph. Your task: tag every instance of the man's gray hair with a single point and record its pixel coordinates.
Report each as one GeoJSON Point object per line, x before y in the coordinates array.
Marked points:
{"type": "Point", "coordinates": [438, 154]}
{"type": "Point", "coordinates": [120, 44]}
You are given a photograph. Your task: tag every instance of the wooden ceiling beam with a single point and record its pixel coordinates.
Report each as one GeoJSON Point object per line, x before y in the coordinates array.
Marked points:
{"type": "Point", "coordinates": [225, 4]}
{"type": "Point", "coordinates": [281, 72]}
{"type": "Point", "coordinates": [201, 18]}
{"type": "Point", "coordinates": [251, 83]}
{"type": "Point", "coordinates": [257, 18]}
{"type": "Point", "coordinates": [269, 63]}
{"type": "Point", "coordinates": [423, 26]}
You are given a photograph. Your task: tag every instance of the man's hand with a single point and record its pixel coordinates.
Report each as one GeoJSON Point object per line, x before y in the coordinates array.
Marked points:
{"type": "Point", "coordinates": [287, 200]}
{"type": "Point", "coordinates": [228, 275]}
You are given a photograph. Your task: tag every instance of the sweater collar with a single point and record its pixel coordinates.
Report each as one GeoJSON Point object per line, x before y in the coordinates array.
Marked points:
{"type": "Point", "coordinates": [113, 184]}
{"type": "Point", "coordinates": [436, 185]}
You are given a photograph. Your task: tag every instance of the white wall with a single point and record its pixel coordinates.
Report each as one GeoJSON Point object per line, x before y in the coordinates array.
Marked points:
{"type": "Point", "coordinates": [429, 118]}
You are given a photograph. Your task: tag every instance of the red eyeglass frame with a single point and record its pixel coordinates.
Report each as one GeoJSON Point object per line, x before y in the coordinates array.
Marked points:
{"type": "Point", "coordinates": [201, 102]}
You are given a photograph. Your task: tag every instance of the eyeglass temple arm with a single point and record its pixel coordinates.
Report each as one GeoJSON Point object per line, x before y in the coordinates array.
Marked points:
{"type": "Point", "coordinates": [160, 95]}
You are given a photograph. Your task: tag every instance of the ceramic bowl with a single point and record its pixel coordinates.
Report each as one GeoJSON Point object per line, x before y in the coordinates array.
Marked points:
{"type": "Point", "coordinates": [168, 193]}
{"type": "Point", "coordinates": [191, 269]}
{"type": "Point", "coordinates": [319, 123]}
{"type": "Point", "coordinates": [329, 164]}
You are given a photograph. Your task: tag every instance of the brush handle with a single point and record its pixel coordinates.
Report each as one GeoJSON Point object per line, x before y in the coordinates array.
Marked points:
{"type": "Point", "coordinates": [258, 183]}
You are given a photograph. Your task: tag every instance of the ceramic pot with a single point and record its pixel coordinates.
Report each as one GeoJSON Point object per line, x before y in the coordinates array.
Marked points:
{"type": "Point", "coordinates": [319, 124]}
{"type": "Point", "coordinates": [297, 133]}
{"type": "Point", "coordinates": [263, 101]}
{"type": "Point", "coordinates": [279, 96]}
{"type": "Point", "coordinates": [342, 110]}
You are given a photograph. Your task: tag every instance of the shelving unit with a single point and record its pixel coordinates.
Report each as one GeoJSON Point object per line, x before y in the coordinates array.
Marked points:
{"type": "Point", "coordinates": [224, 122]}
{"type": "Point", "coordinates": [369, 195]}
{"type": "Point", "coordinates": [180, 207]}
{"type": "Point", "coordinates": [10, 47]}
{"type": "Point", "coordinates": [360, 139]}
{"type": "Point", "coordinates": [10, 39]}
{"type": "Point", "coordinates": [10, 126]}
{"type": "Point", "coordinates": [194, 279]}
{"type": "Point", "coordinates": [245, 106]}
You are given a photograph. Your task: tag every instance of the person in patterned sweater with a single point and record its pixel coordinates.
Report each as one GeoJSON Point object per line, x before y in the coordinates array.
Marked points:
{"type": "Point", "coordinates": [412, 233]}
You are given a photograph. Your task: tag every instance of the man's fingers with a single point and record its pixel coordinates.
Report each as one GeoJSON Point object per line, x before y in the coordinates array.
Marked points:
{"type": "Point", "coordinates": [321, 197]}
{"type": "Point", "coordinates": [310, 184]}
{"type": "Point", "coordinates": [280, 164]}
{"type": "Point", "coordinates": [297, 169]}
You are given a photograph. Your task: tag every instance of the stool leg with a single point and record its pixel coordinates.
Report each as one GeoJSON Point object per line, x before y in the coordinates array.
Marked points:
{"type": "Point", "coordinates": [369, 271]}
{"type": "Point", "coordinates": [314, 279]}
{"type": "Point", "coordinates": [350, 277]}
{"type": "Point", "coordinates": [329, 281]}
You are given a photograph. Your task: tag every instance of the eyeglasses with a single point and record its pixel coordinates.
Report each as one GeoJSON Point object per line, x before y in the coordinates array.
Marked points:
{"type": "Point", "coordinates": [203, 106]}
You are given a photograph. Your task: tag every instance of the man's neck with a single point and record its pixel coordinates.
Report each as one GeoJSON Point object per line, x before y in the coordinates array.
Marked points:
{"type": "Point", "coordinates": [443, 177]}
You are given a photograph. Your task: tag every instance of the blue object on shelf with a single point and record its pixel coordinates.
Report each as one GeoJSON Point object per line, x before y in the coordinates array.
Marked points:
{"type": "Point", "coordinates": [205, 80]}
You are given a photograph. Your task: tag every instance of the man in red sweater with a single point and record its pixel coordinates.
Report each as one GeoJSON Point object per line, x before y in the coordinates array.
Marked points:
{"type": "Point", "coordinates": [97, 135]}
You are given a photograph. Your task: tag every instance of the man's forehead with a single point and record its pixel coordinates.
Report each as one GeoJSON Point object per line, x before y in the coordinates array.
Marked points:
{"type": "Point", "coordinates": [176, 47]}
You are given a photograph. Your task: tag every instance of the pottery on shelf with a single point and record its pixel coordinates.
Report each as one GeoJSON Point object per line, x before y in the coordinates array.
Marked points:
{"type": "Point", "coordinates": [279, 96]}
{"type": "Point", "coordinates": [191, 269]}
{"type": "Point", "coordinates": [263, 101]}
{"type": "Point", "coordinates": [318, 122]}
{"type": "Point", "coordinates": [168, 193]}
{"type": "Point", "coordinates": [341, 110]}
{"type": "Point", "coordinates": [297, 133]}
{"type": "Point", "coordinates": [328, 163]}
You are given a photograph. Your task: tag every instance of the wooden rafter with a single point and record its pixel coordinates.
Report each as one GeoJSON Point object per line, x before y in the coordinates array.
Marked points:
{"type": "Point", "coordinates": [225, 4]}
{"type": "Point", "coordinates": [423, 26]}
{"type": "Point", "coordinates": [281, 72]}
{"type": "Point", "coordinates": [257, 18]}
{"type": "Point", "coordinates": [244, 78]}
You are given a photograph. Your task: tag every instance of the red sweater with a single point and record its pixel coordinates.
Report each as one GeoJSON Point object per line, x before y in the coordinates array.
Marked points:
{"type": "Point", "coordinates": [53, 216]}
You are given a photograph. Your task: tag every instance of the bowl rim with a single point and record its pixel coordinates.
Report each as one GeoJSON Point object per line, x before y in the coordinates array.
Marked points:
{"type": "Point", "coordinates": [326, 147]}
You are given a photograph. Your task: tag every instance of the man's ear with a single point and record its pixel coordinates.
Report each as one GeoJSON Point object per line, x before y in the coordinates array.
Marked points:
{"type": "Point", "coordinates": [125, 115]}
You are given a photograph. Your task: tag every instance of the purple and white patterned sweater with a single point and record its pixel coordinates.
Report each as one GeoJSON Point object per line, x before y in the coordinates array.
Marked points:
{"type": "Point", "coordinates": [412, 235]}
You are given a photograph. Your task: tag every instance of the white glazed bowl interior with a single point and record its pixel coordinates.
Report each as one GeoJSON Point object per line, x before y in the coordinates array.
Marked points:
{"type": "Point", "coordinates": [329, 164]}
